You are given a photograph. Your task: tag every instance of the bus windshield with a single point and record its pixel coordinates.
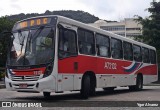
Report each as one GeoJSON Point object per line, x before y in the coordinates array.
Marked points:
{"type": "Point", "coordinates": [32, 47]}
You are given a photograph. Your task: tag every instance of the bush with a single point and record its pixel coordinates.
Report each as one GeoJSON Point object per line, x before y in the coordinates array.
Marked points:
{"type": "Point", "coordinates": [2, 73]}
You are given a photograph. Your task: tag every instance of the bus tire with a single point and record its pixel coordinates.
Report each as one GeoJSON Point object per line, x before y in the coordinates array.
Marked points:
{"type": "Point", "coordinates": [46, 94]}
{"type": "Point", "coordinates": [85, 90]}
{"type": "Point", "coordinates": [139, 84]}
{"type": "Point", "coordinates": [92, 88]}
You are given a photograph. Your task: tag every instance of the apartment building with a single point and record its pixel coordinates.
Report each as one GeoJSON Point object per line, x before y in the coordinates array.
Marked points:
{"type": "Point", "coordinates": [127, 28]}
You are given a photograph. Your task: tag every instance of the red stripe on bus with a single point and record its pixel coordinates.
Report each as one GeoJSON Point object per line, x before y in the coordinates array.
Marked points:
{"type": "Point", "coordinates": [97, 65]}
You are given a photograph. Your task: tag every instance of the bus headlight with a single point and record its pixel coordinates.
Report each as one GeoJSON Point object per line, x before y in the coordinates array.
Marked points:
{"type": "Point", "coordinates": [48, 70]}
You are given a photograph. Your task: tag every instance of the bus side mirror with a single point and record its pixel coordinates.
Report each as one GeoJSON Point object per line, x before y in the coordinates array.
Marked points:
{"type": "Point", "coordinates": [5, 33]}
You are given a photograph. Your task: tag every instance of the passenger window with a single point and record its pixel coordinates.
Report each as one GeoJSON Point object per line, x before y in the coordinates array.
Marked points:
{"type": "Point", "coordinates": [153, 56]}
{"type": "Point", "coordinates": [86, 42]}
{"type": "Point", "coordinates": [67, 43]}
{"type": "Point", "coordinates": [145, 55]}
{"type": "Point", "coordinates": [128, 51]}
{"type": "Point", "coordinates": [116, 47]}
{"type": "Point", "coordinates": [137, 53]}
{"type": "Point", "coordinates": [102, 45]}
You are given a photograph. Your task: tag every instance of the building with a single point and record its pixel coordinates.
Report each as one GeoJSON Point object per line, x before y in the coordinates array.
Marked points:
{"type": "Point", "coordinates": [127, 28]}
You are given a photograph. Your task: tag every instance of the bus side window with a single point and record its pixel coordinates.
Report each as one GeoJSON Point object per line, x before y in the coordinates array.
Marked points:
{"type": "Point", "coordinates": [103, 45]}
{"type": "Point", "coordinates": [153, 56]}
{"type": "Point", "coordinates": [86, 42]}
{"type": "Point", "coordinates": [145, 55]}
{"type": "Point", "coordinates": [128, 51]}
{"type": "Point", "coordinates": [137, 53]}
{"type": "Point", "coordinates": [67, 43]}
{"type": "Point", "coordinates": [116, 48]}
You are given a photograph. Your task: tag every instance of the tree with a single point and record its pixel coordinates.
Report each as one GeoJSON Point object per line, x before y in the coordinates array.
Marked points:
{"type": "Point", "coordinates": [151, 27]}
{"type": "Point", "coordinates": [5, 25]}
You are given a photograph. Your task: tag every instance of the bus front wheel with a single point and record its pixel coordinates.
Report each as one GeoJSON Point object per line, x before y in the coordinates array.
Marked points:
{"type": "Point", "coordinates": [85, 90]}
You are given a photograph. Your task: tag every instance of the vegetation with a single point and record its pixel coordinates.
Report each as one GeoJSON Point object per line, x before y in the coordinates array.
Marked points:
{"type": "Point", "coordinates": [5, 25]}
{"type": "Point", "coordinates": [76, 15]}
{"type": "Point", "coordinates": [151, 27]}
{"type": "Point", "coordinates": [2, 73]}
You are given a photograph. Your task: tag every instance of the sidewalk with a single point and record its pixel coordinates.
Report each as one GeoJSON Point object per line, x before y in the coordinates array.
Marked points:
{"type": "Point", "coordinates": [157, 83]}
{"type": "Point", "coordinates": [2, 85]}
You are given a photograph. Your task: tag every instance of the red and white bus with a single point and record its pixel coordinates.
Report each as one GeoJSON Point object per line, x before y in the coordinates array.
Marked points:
{"type": "Point", "coordinates": [56, 54]}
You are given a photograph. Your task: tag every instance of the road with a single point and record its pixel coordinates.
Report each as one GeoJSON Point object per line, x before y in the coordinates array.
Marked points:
{"type": "Point", "coordinates": [120, 95]}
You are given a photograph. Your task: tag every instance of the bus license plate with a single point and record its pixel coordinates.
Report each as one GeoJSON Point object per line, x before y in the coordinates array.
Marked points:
{"type": "Point", "coordinates": [23, 86]}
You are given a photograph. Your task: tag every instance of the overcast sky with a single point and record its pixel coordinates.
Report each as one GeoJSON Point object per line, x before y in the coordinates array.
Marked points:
{"type": "Point", "coordinates": [104, 9]}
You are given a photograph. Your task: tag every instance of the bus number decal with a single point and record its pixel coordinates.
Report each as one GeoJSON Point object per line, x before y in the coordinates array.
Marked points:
{"type": "Point", "coordinates": [37, 72]}
{"type": "Point", "coordinates": [109, 65]}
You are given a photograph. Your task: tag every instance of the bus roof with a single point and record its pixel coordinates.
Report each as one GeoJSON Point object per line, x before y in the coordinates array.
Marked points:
{"type": "Point", "coordinates": [92, 28]}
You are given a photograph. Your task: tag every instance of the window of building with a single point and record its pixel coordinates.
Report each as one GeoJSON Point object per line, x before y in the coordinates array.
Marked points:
{"type": "Point", "coordinates": [137, 53]}
{"type": "Point", "coordinates": [128, 51]}
{"type": "Point", "coordinates": [102, 45]}
{"type": "Point", "coordinates": [67, 43]}
{"type": "Point", "coordinates": [131, 29]}
{"type": "Point", "coordinates": [86, 42]}
{"type": "Point", "coordinates": [153, 56]}
{"type": "Point", "coordinates": [116, 48]}
{"type": "Point", "coordinates": [113, 28]}
{"type": "Point", "coordinates": [145, 55]}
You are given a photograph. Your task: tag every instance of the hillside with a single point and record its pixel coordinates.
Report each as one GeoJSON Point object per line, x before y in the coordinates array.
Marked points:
{"type": "Point", "coordinates": [76, 15]}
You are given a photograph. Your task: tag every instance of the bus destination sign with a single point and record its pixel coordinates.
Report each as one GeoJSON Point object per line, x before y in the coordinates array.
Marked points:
{"type": "Point", "coordinates": [32, 22]}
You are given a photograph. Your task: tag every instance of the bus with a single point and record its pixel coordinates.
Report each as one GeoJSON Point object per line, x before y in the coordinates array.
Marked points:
{"type": "Point", "coordinates": [56, 54]}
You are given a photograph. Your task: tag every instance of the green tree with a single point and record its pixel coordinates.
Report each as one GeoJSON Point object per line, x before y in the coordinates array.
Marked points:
{"type": "Point", "coordinates": [5, 25]}
{"type": "Point", "coordinates": [151, 27]}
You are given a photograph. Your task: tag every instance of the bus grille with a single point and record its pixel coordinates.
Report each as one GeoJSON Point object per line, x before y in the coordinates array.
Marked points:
{"type": "Point", "coordinates": [25, 78]}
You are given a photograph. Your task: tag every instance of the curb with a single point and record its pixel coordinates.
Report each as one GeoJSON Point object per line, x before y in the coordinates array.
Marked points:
{"type": "Point", "coordinates": [2, 86]}
{"type": "Point", "coordinates": [152, 85]}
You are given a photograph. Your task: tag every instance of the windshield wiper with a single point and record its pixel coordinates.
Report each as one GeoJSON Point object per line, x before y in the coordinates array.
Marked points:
{"type": "Point", "coordinates": [21, 41]}
{"type": "Point", "coordinates": [39, 30]}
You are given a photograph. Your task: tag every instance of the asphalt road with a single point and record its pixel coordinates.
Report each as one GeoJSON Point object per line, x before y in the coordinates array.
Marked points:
{"type": "Point", "coordinates": [120, 96]}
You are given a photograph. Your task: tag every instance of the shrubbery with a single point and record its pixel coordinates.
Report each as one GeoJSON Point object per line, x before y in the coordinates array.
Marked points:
{"type": "Point", "coordinates": [2, 73]}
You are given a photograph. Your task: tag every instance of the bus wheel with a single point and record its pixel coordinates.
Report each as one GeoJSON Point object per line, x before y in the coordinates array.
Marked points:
{"type": "Point", "coordinates": [85, 90]}
{"type": "Point", "coordinates": [92, 88]}
{"type": "Point", "coordinates": [46, 94]}
{"type": "Point", "coordinates": [139, 84]}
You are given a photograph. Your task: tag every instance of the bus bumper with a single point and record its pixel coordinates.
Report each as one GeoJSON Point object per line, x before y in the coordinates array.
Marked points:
{"type": "Point", "coordinates": [47, 84]}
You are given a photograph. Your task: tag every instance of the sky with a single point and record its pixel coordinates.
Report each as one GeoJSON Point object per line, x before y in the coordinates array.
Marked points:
{"type": "Point", "coordinates": [104, 9]}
